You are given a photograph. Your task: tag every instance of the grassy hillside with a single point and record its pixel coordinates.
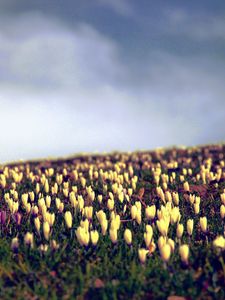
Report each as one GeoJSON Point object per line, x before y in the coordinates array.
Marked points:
{"type": "Point", "coordinates": [147, 225]}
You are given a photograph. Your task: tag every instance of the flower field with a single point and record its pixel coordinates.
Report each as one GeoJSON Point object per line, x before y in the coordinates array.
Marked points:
{"type": "Point", "coordinates": [142, 225]}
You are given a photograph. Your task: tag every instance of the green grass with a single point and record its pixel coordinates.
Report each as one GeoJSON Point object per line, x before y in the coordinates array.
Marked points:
{"type": "Point", "coordinates": [109, 271]}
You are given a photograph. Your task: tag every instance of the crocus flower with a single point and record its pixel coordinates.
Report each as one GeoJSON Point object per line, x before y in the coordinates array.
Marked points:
{"type": "Point", "coordinates": [29, 239]}
{"type": "Point", "coordinates": [113, 235]}
{"type": "Point", "coordinates": [203, 224]}
{"type": "Point", "coordinates": [142, 253]}
{"type": "Point", "coordinates": [3, 217]}
{"type": "Point", "coordinates": [15, 244]}
{"type": "Point", "coordinates": [190, 225]}
{"type": "Point", "coordinates": [165, 252]}
{"type": "Point", "coordinates": [128, 236]}
{"type": "Point", "coordinates": [180, 230]}
{"type": "Point", "coordinates": [46, 230]}
{"type": "Point", "coordinates": [68, 219]}
{"type": "Point", "coordinates": [150, 212]}
{"type": "Point", "coordinates": [94, 237]}
{"type": "Point", "coordinates": [184, 252]}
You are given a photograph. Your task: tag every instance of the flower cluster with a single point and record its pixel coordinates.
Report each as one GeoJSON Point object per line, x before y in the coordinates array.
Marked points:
{"type": "Point", "coordinates": [89, 199]}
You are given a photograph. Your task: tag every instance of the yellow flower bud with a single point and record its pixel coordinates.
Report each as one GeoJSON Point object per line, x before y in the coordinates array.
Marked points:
{"type": "Point", "coordinates": [222, 211]}
{"type": "Point", "coordinates": [134, 211]}
{"type": "Point", "coordinates": [29, 239]}
{"type": "Point", "coordinates": [197, 200]}
{"type": "Point", "coordinates": [112, 215]}
{"type": "Point", "coordinates": [35, 210]}
{"type": "Point", "coordinates": [128, 236]}
{"type": "Point", "coordinates": [83, 236]}
{"type": "Point", "coordinates": [72, 196]}
{"type": "Point", "coordinates": [203, 224]}
{"type": "Point", "coordinates": [15, 244]}
{"type": "Point", "coordinates": [80, 202]}
{"type": "Point", "coordinates": [115, 223]}
{"type": "Point", "coordinates": [85, 225]}
{"type": "Point", "coordinates": [100, 198]}
{"type": "Point", "coordinates": [138, 217]}
{"type": "Point", "coordinates": [46, 186]}
{"type": "Point", "coordinates": [15, 207]}
{"type": "Point", "coordinates": [186, 186]}
{"type": "Point", "coordinates": [222, 197]}
{"type": "Point", "coordinates": [37, 224]}
{"type": "Point", "coordinates": [86, 238]}
{"type": "Point", "coordinates": [142, 253]}
{"type": "Point", "coordinates": [162, 226]}
{"type": "Point", "coordinates": [68, 219]}
{"type": "Point", "coordinates": [43, 248]}
{"type": "Point", "coordinates": [219, 242]}
{"type": "Point", "coordinates": [83, 182]}
{"type": "Point", "coordinates": [32, 196]}
{"type": "Point", "coordinates": [104, 226]}
{"type": "Point", "coordinates": [150, 212]}
{"type": "Point", "coordinates": [110, 204]}
{"type": "Point", "coordinates": [175, 196]}
{"type": "Point", "coordinates": [190, 172]}
{"type": "Point", "coordinates": [54, 245]}
{"type": "Point", "coordinates": [24, 198]}
{"type": "Point", "coordinates": [165, 252]}
{"type": "Point", "coordinates": [147, 238]}
{"type": "Point", "coordinates": [57, 202]}
{"type": "Point", "coordinates": [88, 212]}
{"type": "Point", "coordinates": [138, 205]}
{"type": "Point", "coordinates": [37, 189]}
{"type": "Point", "coordinates": [121, 197]}
{"type": "Point", "coordinates": [61, 207]}
{"type": "Point", "coordinates": [59, 179]}
{"type": "Point", "coordinates": [46, 230]}
{"type": "Point", "coordinates": [196, 208]}
{"type": "Point", "coordinates": [51, 219]}
{"type": "Point", "coordinates": [41, 202]}
{"type": "Point", "coordinates": [182, 178]}
{"type": "Point", "coordinates": [192, 198]}
{"type": "Point", "coordinates": [94, 237]}
{"type": "Point", "coordinates": [113, 235]}
{"type": "Point", "coordinates": [175, 215]}
{"type": "Point", "coordinates": [100, 216]}
{"type": "Point", "coordinates": [184, 252]}
{"type": "Point", "coordinates": [55, 189]}
{"type": "Point", "coordinates": [149, 229]}
{"type": "Point", "coordinates": [184, 171]}
{"type": "Point", "coordinates": [28, 208]}
{"type": "Point", "coordinates": [172, 244]}
{"type": "Point", "coordinates": [190, 225]}
{"type": "Point", "coordinates": [161, 241]}
{"type": "Point", "coordinates": [65, 192]}
{"type": "Point", "coordinates": [130, 192]}
{"type": "Point", "coordinates": [180, 230]}
{"type": "Point", "coordinates": [48, 201]}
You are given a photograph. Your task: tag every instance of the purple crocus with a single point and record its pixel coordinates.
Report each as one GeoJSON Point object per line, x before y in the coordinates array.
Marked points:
{"type": "Point", "coordinates": [2, 217]}
{"type": "Point", "coordinates": [17, 217]}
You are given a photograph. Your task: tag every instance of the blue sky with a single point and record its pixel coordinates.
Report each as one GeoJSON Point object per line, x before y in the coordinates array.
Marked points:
{"type": "Point", "coordinates": [83, 76]}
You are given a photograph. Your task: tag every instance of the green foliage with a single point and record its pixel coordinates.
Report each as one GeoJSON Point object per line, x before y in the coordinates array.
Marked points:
{"type": "Point", "coordinates": [109, 271]}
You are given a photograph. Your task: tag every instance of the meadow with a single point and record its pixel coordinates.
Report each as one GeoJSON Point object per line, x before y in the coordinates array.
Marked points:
{"type": "Point", "coordinates": [141, 225]}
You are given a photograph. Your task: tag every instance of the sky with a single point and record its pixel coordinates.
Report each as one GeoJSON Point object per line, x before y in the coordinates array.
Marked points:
{"type": "Point", "coordinates": [105, 75]}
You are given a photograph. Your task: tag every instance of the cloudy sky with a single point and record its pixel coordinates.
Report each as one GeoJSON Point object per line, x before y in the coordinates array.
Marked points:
{"type": "Point", "coordinates": [103, 75]}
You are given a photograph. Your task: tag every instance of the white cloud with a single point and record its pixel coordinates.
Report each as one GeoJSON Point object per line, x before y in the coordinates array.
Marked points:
{"type": "Point", "coordinates": [201, 27]}
{"type": "Point", "coordinates": [52, 55]}
{"type": "Point", "coordinates": [63, 91]}
{"type": "Point", "coordinates": [121, 7]}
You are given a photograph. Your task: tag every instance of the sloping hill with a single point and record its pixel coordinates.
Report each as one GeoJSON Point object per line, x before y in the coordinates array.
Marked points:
{"type": "Point", "coordinates": [142, 225]}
